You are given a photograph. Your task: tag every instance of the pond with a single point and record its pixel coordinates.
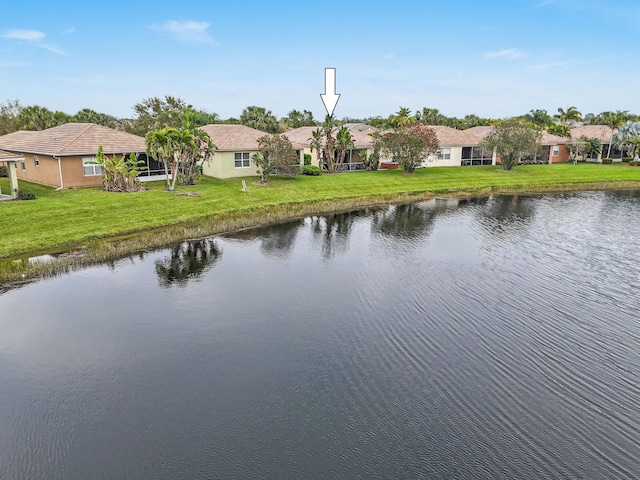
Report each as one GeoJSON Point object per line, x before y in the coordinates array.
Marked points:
{"type": "Point", "coordinates": [476, 338]}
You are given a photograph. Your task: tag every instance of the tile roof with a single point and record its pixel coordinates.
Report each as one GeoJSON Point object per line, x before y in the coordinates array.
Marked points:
{"type": "Point", "coordinates": [601, 132]}
{"type": "Point", "coordinates": [301, 135]}
{"type": "Point", "coordinates": [361, 137]}
{"type": "Point", "coordinates": [547, 138]}
{"type": "Point", "coordinates": [231, 137]}
{"type": "Point", "coordinates": [4, 156]}
{"type": "Point", "coordinates": [477, 134]}
{"type": "Point", "coordinates": [551, 139]}
{"type": "Point", "coordinates": [451, 137]}
{"type": "Point", "coordinates": [73, 139]}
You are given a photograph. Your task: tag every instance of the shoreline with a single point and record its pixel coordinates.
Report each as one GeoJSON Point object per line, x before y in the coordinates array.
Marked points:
{"type": "Point", "coordinates": [19, 269]}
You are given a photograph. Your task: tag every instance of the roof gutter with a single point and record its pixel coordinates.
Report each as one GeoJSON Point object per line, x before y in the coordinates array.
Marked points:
{"type": "Point", "coordinates": [57, 157]}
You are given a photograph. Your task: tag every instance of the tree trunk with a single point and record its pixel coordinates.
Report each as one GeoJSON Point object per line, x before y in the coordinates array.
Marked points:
{"type": "Point", "coordinates": [166, 174]}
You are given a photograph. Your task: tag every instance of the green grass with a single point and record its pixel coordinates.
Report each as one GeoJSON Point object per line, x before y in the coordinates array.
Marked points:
{"type": "Point", "coordinates": [71, 218]}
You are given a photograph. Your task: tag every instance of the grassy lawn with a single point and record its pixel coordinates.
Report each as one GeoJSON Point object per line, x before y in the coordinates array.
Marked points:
{"type": "Point", "coordinates": [67, 217]}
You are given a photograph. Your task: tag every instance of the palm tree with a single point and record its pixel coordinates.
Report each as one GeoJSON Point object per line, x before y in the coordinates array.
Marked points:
{"type": "Point", "coordinates": [570, 115]}
{"type": "Point", "coordinates": [612, 120]}
{"type": "Point", "coordinates": [634, 143]}
{"type": "Point", "coordinates": [344, 142]}
{"type": "Point", "coordinates": [401, 118]}
{"type": "Point", "coordinates": [160, 147]}
{"type": "Point", "coordinates": [628, 131]}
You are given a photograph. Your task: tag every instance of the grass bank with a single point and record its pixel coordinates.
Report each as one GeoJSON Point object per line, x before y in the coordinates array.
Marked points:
{"type": "Point", "coordinates": [84, 218]}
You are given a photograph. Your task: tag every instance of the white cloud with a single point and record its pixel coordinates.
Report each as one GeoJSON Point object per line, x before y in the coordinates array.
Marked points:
{"type": "Point", "coordinates": [28, 35]}
{"type": "Point", "coordinates": [53, 48]}
{"type": "Point", "coordinates": [32, 36]}
{"type": "Point", "coordinates": [505, 53]}
{"type": "Point", "coordinates": [550, 65]}
{"type": "Point", "coordinates": [11, 64]}
{"type": "Point", "coordinates": [187, 31]}
{"type": "Point", "coordinates": [389, 56]}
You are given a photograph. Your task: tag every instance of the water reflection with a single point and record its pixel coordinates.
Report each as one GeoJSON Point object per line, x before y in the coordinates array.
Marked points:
{"type": "Point", "coordinates": [276, 240]}
{"type": "Point", "coordinates": [504, 216]}
{"type": "Point", "coordinates": [333, 231]}
{"type": "Point", "coordinates": [186, 262]}
{"type": "Point", "coordinates": [413, 220]}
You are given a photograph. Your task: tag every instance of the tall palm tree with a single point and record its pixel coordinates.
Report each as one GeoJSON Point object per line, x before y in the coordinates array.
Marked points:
{"type": "Point", "coordinates": [402, 118]}
{"type": "Point", "coordinates": [612, 120]}
{"type": "Point", "coordinates": [160, 147]}
{"type": "Point", "coordinates": [571, 114]}
{"type": "Point", "coordinates": [343, 143]}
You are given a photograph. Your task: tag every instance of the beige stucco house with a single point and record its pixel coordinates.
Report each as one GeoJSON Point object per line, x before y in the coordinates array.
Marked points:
{"type": "Point", "coordinates": [553, 149]}
{"type": "Point", "coordinates": [235, 145]}
{"type": "Point", "coordinates": [63, 156]}
{"type": "Point", "coordinates": [362, 139]}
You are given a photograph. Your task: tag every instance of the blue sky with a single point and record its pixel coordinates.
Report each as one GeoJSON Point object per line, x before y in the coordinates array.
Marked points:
{"type": "Point", "coordinates": [494, 59]}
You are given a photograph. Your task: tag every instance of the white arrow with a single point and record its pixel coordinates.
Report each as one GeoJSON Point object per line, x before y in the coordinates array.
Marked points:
{"type": "Point", "coordinates": [330, 97]}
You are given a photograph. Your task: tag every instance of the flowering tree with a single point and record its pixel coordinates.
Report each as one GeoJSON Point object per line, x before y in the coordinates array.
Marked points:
{"type": "Point", "coordinates": [409, 145]}
{"type": "Point", "coordinates": [275, 155]}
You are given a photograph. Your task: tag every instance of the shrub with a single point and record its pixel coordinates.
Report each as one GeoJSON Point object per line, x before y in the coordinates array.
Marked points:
{"type": "Point", "coordinates": [634, 163]}
{"type": "Point", "coordinates": [3, 171]}
{"type": "Point", "coordinates": [24, 194]}
{"type": "Point", "coordinates": [607, 161]}
{"type": "Point", "coordinates": [311, 170]}
{"type": "Point", "coordinates": [627, 159]}
{"type": "Point", "coordinates": [307, 159]}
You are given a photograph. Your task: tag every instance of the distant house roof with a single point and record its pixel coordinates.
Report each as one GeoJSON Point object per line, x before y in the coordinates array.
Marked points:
{"type": "Point", "coordinates": [301, 135]}
{"type": "Point", "coordinates": [73, 139]}
{"type": "Point", "coordinates": [228, 137]}
{"type": "Point", "coordinates": [601, 132]}
{"type": "Point", "coordinates": [360, 133]}
{"type": "Point", "coordinates": [478, 133]}
{"type": "Point", "coordinates": [551, 139]}
{"type": "Point", "coordinates": [451, 137]}
{"type": "Point", "coordinates": [8, 156]}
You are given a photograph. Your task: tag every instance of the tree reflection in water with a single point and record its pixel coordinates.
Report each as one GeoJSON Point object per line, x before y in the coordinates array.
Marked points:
{"type": "Point", "coordinates": [505, 216]}
{"type": "Point", "coordinates": [188, 261]}
{"type": "Point", "coordinates": [334, 230]}
{"type": "Point", "coordinates": [411, 220]}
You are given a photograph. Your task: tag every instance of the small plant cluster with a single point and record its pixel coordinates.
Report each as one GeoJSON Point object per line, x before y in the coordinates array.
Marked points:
{"type": "Point", "coordinates": [607, 161]}
{"type": "Point", "coordinates": [24, 194]}
{"type": "Point", "coordinates": [3, 171]}
{"type": "Point", "coordinates": [119, 174]}
{"type": "Point", "coordinates": [311, 170]}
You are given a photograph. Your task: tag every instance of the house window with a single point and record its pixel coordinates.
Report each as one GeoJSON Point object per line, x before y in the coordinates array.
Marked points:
{"type": "Point", "coordinates": [445, 154]}
{"type": "Point", "coordinates": [36, 160]}
{"type": "Point", "coordinates": [476, 156]}
{"type": "Point", "coordinates": [23, 165]}
{"type": "Point", "coordinates": [89, 168]}
{"type": "Point", "coordinates": [242, 160]}
{"type": "Point", "coordinates": [556, 151]}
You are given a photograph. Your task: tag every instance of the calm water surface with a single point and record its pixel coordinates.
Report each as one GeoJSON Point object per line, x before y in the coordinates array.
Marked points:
{"type": "Point", "coordinates": [486, 338]}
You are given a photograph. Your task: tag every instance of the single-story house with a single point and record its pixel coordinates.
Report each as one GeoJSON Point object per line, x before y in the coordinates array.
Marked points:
{"type": "Point", "coordinates": [64, 156]}
{"type": "Point", "coordinates": [604, 133]}
{"type": "Point", "coordinates": [362, 139]}
{"type": "Point", "coordinates": [459, 148]}
{"type": "Point", "coordinates": [553, 149]}
{"type": "Point", "coordinates": [235, 145]}
{"type": "Point", "coordinates": [11, 160]}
